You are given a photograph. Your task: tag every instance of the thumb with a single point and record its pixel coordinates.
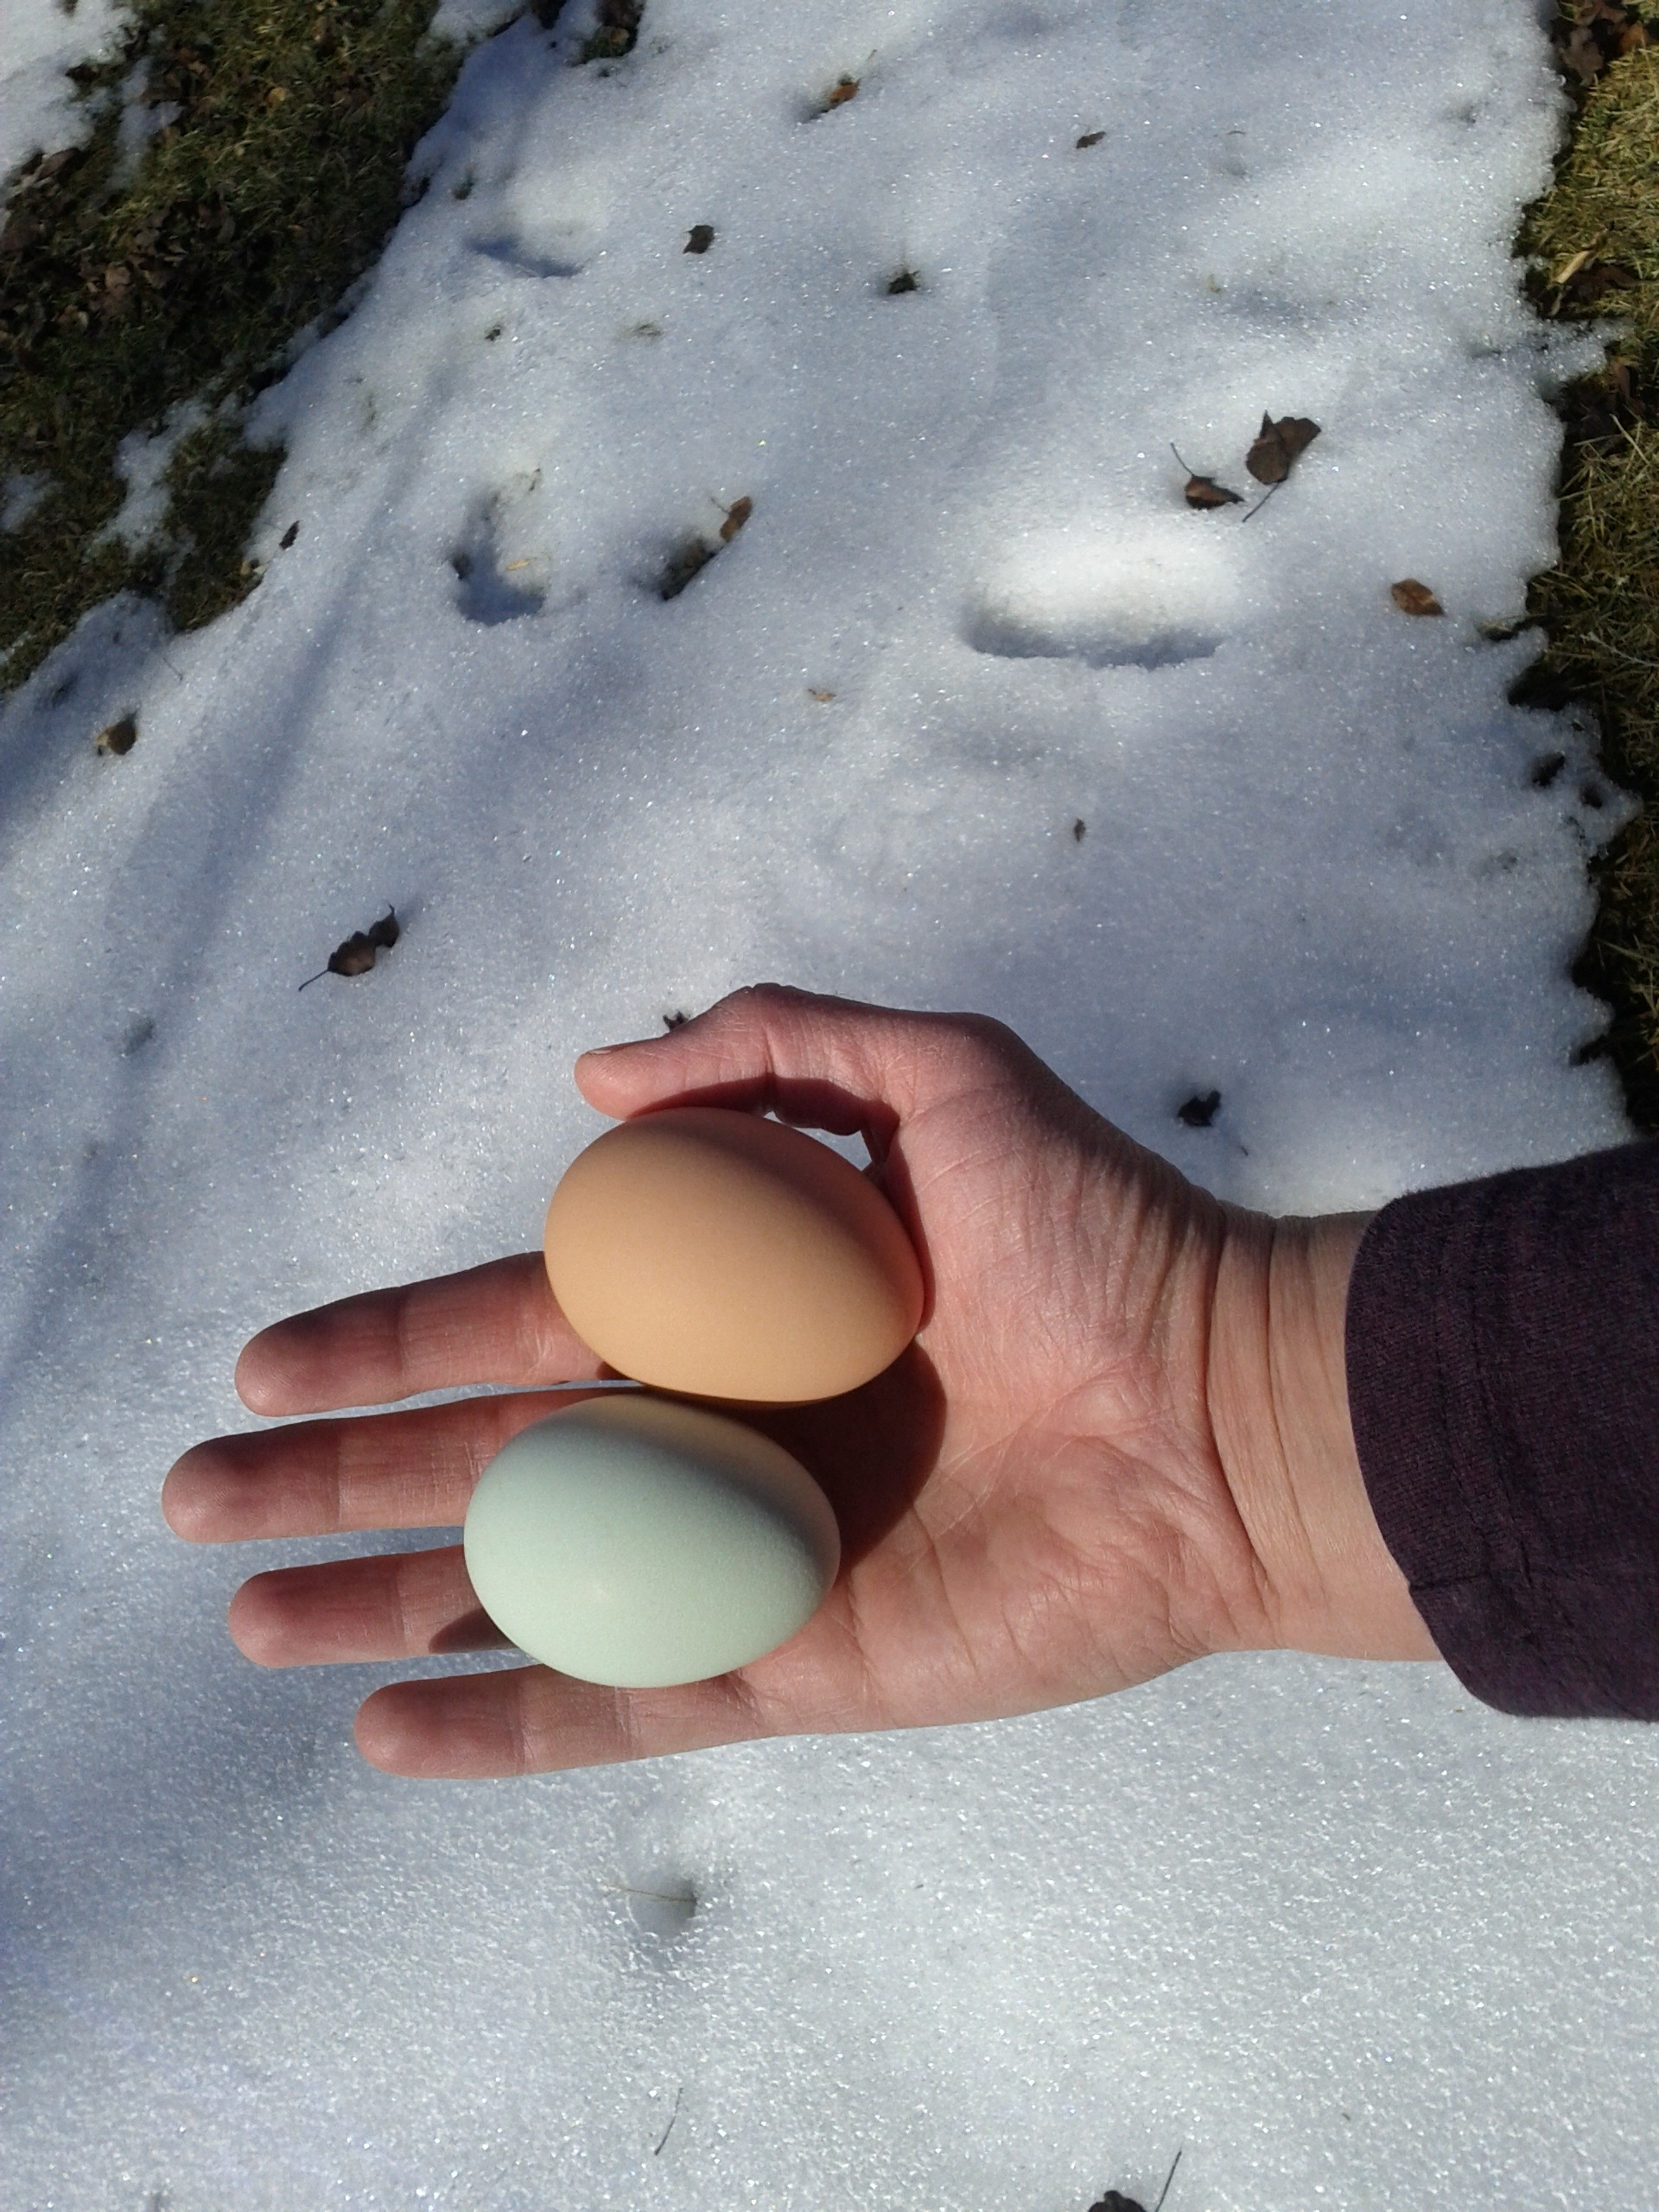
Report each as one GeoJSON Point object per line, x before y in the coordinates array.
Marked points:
{"type": "Point", "coordinates": [825, 1063]}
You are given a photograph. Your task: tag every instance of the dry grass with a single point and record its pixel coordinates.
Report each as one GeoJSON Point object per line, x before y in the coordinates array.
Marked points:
{"type": "Point", "coordinates": [1594, 244]}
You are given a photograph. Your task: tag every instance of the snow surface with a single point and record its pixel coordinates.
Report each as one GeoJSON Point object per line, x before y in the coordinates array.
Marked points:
{"type": "Point", "coordinates": [1352, 1940]}
{"type": "Point", "coordinates": [39, 40]}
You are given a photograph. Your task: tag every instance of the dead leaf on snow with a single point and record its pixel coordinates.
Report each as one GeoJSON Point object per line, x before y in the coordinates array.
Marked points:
{"type": "Point", "coordinates": [1203, 492]}
{"type": "Point", "coordinates": [688, 558]}
{"type": "Point", "coordinates": [119, 737]}
{"type": "Point", "coordinates": [355, 955]}
{"type": "Point", "coordinates": [1199, 1111]}
{"type": "Point", "coordinates": [736, 515]}
{"type": "Point", "coordinates": [843, 89]}
{"type": "Point", "coordinates": [1278, 445]}
{"type": "Point", "coordinates": [1413, 598]}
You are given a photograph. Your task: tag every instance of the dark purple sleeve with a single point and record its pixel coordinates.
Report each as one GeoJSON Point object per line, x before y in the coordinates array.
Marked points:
{"type": "Point", "coordinates": [1504, 1378]}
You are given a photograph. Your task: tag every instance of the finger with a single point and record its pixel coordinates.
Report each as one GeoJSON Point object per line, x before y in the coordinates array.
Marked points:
{"type": "Point", "coordinates": [317, 1479]}
{"type": "Point", "coordinates": [494, 1323]}
{"type": "Point", "coordinates": [829, 1061]}
{"type": "Point", "coordinates": [531, 1720]}
{"type": "Point", "coordinates": [403, 1606]}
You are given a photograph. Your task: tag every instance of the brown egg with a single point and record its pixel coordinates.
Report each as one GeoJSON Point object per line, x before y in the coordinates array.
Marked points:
{"type": "Point", "coordinates": [709, 1251]}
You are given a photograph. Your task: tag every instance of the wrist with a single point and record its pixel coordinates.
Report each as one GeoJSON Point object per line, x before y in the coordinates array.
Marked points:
{"type": "Point", "coordinates": [1278, 1392]}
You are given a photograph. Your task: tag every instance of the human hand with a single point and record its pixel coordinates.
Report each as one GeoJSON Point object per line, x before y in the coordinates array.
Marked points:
{"type": "Point", "coordinates": [1120, 1440]}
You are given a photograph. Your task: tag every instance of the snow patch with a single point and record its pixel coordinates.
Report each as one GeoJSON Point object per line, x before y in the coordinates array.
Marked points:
{"type": "Point", "coordinates": [1144, 597]}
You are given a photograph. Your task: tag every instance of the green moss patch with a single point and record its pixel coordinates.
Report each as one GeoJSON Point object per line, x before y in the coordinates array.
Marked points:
{"type": "Point", "coordinates": [1593, 248]}
{"type": "Point", "coordinates": [130, 285]}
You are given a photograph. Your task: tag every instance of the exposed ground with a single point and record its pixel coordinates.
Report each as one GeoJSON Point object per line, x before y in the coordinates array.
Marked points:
{"type": "Point", "coordinates": [1593, 246]}
{"type": "Point", "coordinates": [244, 166]}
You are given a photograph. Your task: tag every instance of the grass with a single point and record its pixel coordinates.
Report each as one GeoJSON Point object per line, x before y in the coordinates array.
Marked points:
{"type": "Point", "coordinates": [130, 287]}
{"type": "Point", "coordinates": [1592, 245]}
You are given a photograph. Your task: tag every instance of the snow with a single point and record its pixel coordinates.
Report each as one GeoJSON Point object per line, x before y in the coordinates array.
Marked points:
{"type": "Point", "coordinates": [39, 40]}
{"type": "Point", "coordinates": [1349, 1939]}
{"type": "Point", "coordinates": [142, 461]}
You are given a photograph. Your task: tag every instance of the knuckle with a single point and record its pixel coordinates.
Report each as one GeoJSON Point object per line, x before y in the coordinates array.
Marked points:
{"type": "Point", "coordinates": [763, 1003]}
{"type": "Point", "coordinates": [982, 1047]}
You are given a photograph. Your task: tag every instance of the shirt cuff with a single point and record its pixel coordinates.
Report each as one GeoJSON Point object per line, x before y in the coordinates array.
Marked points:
{"type": "Point", "coordinates": [1502, 1355]}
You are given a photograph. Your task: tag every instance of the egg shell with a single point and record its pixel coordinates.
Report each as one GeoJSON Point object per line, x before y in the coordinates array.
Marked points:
{"type": "Point", "coordinates": [712, 1252]}
{"type": "Point", "coordinates": [638, 1543]}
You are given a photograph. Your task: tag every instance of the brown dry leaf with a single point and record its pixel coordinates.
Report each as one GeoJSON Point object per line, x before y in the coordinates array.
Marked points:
{"type": "Point", "coordinates": [119, 737]}
{"type": "Point", "coordinates": [355, 955]}
{"type": "Point", "coordinates": [844, 89]}
{"type": "Point", "coordinates": [19, 231]}
{"type": "Point", "coordinates": [1582, 54]}
{"type": "Point", "coordinates": [1601, 411]}
{"type": "Point", "coordinates": [1271, 459]}
{"type": "Point", "coordinates": [1592, 34]}
{"type": "Point", "coordinates": [736, 515]}
{"type": "Point", "coordinates": [1413, 598]}
{"type": "Point", "coordinates": [1205, 494]}
{"type": "Point", "coordinates": [823, 697]}
{"type": "Point", "coordinates": [690, 558]}
{"type": "Point", "coordinates": [1200, 1111]}
{"type": "Point", "coordinates": [1592, 281]}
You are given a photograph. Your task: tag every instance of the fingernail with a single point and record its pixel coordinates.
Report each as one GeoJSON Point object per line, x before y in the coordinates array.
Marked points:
{"type": "Point", "coordinates": [603, 1051]}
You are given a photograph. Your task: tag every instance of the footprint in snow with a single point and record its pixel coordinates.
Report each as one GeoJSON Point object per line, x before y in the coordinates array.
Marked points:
{"type": "Point", "coordinates": [523, 261]}
{"type": "Point", "coordinates": [1149, 596]}
{"type": "Point", "coordinates": [498, 580]}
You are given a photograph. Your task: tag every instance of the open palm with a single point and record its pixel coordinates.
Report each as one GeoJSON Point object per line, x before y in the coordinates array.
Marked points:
{"type": "Point", "coordinates": [1033, 1505]}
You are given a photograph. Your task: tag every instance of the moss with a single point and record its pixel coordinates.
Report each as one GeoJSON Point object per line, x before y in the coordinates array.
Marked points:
{"type": "Point", "coordinates": [271, 186]}
{"type": "Point", "coordinates": [1593, 246]}
{"type": "Point", "coordinates": [218, 485]}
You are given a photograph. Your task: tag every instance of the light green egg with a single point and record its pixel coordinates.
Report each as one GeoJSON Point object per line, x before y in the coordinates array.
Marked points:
{"type": "Point", "coordinates": [639, 1543]}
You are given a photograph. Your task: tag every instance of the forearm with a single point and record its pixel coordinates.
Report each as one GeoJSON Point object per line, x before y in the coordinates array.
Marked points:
{"type": "Point", "coordinates": [1440, 1429]}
